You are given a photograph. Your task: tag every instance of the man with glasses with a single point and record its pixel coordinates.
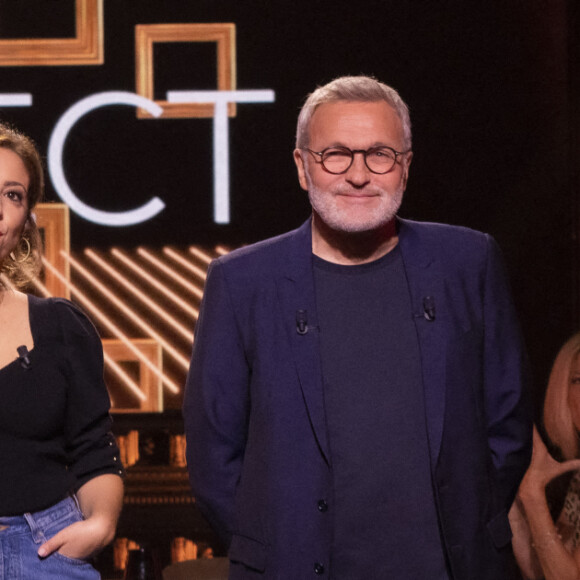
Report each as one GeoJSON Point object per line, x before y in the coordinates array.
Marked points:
{"type": "Point", "coordinates": [355, 407]}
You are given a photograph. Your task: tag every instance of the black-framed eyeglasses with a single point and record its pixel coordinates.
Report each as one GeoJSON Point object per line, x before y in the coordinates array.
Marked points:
{"type": "Point", "coordinates": [338, 160]}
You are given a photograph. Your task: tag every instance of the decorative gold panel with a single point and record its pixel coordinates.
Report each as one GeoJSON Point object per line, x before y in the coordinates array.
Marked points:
{"type": "Point", "coordinates": [148, 381]}
{"type": "Point", "coordinates": [53, 222]}
{"type": "Point", "coordinates": [146, 35]}
{"type": "Point", "coordinates": [85, 49]}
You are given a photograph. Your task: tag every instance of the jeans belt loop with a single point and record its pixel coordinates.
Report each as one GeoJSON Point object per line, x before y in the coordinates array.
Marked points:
{"type": "Point", "coordinates": [37, 534]}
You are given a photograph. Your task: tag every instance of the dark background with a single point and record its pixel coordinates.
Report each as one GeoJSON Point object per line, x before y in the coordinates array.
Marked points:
{"type": "Point", "coordinates": [493, 89]}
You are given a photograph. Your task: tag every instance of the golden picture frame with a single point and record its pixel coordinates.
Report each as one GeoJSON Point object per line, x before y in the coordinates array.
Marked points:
{"type": "Point", "coordinates": [149, 382]}
{"type": "Point", "coordinates": [53, 221]}
{"type": "Point", "coordinates": [147, 35]}
{"type": "Point", "coordinates": [86, 48]}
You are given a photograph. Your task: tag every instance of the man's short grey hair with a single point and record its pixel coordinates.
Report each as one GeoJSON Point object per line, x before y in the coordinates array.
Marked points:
{"type": "Point", "coordinates": [352, 89]}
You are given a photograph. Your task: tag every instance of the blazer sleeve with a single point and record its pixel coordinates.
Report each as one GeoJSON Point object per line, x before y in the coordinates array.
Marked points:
{"type": "Point", "coordinates": [506, 379]}
{"type": "Point", "coordinates": [216, 405]}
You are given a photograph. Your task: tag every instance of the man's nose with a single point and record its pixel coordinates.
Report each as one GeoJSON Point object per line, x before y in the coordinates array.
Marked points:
{"type": "Point", "coordinates": [358, 173]}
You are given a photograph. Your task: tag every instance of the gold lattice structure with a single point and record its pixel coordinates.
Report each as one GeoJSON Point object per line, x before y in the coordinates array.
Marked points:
{"type": "Point", "coordinates": [143, 301]}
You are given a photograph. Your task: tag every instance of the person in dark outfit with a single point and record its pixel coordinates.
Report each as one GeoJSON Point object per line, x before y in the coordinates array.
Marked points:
{"type": "Point", "coordinates": [61, 486]}
{"type": "Point", "coordinates": [356, 405]}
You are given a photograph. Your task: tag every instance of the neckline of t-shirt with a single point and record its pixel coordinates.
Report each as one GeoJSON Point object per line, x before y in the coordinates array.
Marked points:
{"type": "Point", "coordinates": [356, 269]}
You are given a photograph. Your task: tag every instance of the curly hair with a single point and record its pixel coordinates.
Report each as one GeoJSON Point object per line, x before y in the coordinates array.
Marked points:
{"type": "Point", "coordinates": [23, 265]}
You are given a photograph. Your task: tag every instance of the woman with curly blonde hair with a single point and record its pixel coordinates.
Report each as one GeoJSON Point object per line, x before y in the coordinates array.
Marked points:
{"type": "Point", "coordinates": [24, 261]}
{"type": "Point", "coordinates": [60, 490]}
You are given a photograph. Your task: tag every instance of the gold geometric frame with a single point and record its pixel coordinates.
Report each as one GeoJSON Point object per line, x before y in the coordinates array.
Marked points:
{"type": "Point", "coordinates": [149, 382]}
{"type": "Point", "coordinates": [85, 49]}
{"type": "Point", "coordinates": [146, 35]}
{"type": "Point", "coordinates": [53, 220]}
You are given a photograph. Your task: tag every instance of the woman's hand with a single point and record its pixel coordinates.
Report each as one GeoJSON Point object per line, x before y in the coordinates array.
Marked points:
{"type": "Point", "coordinates": [100, 500]}
{"type": "Point", "coordinates": [80, 540]}
{"type": "Point", "coordinates": [543, 469]}
{"type": "Point", "coordinates": [537, 545]}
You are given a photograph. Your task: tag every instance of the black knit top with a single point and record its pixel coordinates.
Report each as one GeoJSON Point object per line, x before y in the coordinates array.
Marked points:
{"type": "Point", "coordinates": [55, 427]}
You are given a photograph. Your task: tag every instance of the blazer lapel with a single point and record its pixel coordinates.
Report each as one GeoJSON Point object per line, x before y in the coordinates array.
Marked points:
{"type": "Point", "coordinates": [296, 292]}
{"type": "Point", "coordinates": [298, 303]}
{"type": "Point", "coordinates": [426, 280]}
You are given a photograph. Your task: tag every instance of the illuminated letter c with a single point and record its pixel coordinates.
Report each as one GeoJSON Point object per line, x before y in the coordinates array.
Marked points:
{"type": "Point", "coordinates": [55, 166]}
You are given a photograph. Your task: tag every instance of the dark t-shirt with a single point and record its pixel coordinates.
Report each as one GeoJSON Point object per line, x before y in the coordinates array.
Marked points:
{"type": "Point", "coordinates": [385, 522]}
{"type": "Point", "coordinates": [54, 417]}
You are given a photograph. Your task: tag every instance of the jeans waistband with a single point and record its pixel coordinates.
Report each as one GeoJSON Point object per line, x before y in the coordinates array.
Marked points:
{"type": "Point", "coordinates": [33, 521]}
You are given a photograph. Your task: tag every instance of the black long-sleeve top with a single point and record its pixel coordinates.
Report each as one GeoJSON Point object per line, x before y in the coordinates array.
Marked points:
{"type": "Point", "coordinates": [55, 427]}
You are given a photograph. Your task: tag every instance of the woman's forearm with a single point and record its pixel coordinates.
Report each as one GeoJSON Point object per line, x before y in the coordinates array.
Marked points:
{"type": "Point", "coordinates": [556, 561]}
{"type": "Point", "coordinates": [101, 499]}
{"type": "Point", "coordinates": [522, 543]}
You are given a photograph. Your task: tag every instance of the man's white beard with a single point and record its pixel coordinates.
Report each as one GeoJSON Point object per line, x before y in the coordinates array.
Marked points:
{"type": "Point", "coordinates": [325, 204]}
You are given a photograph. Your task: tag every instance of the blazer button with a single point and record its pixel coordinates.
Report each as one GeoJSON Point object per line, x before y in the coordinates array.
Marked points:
{"type": "Point", "coordinates": [318, 568]}
{"type": "Point", "coordinates": [322, 506]}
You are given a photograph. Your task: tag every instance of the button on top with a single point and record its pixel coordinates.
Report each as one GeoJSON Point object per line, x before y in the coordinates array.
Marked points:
{"type": "Point", "coordinates": [318, 568]}
{"type": "Point", "coordinates": [322, 505]}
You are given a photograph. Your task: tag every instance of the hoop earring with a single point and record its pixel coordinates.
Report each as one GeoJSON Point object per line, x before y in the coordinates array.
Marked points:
{"type": "Point", "coordinates": [28, 252]}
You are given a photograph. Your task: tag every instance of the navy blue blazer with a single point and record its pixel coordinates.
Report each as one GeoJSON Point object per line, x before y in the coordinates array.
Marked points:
{"type": "Point", "coordinates": [257, 447]}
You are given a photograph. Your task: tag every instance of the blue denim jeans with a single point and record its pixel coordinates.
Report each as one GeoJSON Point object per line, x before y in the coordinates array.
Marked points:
{"type": "Point", "coordinates": [21, 536]}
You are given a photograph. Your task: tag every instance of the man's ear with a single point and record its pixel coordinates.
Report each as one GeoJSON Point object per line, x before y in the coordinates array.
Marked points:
{"type": "Point", "coordinates": [406, 165]}
{"type": "Point", "coordinates": [301, 169]}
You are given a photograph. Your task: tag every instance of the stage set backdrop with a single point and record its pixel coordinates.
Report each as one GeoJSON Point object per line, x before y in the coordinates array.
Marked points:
{"type": "Point", "coordinates": [168, 129]}
{"type": "Point", "coordinates": [169, 124]}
